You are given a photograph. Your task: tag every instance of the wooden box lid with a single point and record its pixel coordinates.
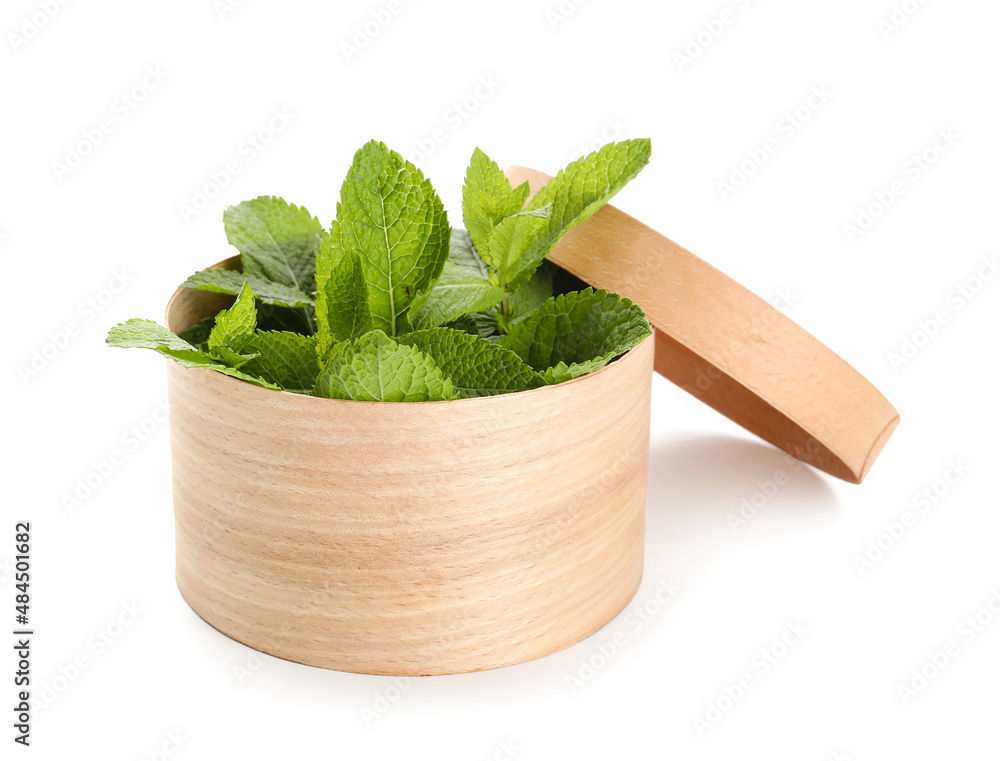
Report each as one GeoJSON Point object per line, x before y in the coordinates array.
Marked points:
{"type": "Point", "coordinates": [730, 348]}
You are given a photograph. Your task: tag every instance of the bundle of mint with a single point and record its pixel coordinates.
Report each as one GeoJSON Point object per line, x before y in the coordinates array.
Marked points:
{"type": "Point", "coordinates": [392, 304]}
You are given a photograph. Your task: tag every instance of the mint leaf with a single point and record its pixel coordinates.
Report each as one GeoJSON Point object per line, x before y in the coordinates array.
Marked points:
{"type": "Point", "coordinates": [287, 360]}
{"type": "Point", "coordinates": [488, 198]}
{"type": "Point", "coordinates": [374, 368]}
{"type": "Point", "coordinates": [532, 294]}
{"type": "Point", "coordinates": [573, 196]}
{"type": "Point", "coordinates": [393, 220]}
{"type": "Point", "coordinates": [464, 254]}
{"type": "Point", "coordinates": [231, 281]}
{"type": "Point", "coordinates": [456, 293]}
{"type": "Point", "coordinates": [476, 366]}
{"type": "Point", "coordinates": [510, 241]}
{"type": "Point", "coordinates": [278, 240]}
{"type": "Point", "coordinates": [577, 333]}
{"type": "Point", "coordinates": [146, 334]}
{"type": "Point", "coordinates": [342, 310]}
{"type": "Point", "coordinates": [235, 326]}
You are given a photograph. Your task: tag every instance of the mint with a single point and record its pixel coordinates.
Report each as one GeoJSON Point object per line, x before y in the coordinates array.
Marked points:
{"type": "Point", "coordinates": [508, 243]}
{"type": "Point", "coordinates": [374, 368]}
{"type": "Point", "coordinates": [235, 326]}
{"type": "Point", "coordinates": [456, 293]}
{"type": "Point", "coordinates": [532, 294]}
{"type": "Point", "coordinates": [391, 304]}
{"type": "Point", "coordinates": [288, 360]}
{"type": "Point", "coordinates": [145, 334]}
{"type": "Point", "coordinates": [278, 241]}
{"type": "Point", "coordinates": [342, 309]}
{"type": "Point", "coordinates": [393, 220]}
{"type": "Point", "coordinates": [488, 198]}
{"type": "Point", "coordinates": [231, 281]}
{"type": "Point", "coordinates": [475, 366]}
{"type": "Point", "coordinates": [572, 197]}
{"type": "Point", "coordinates": [577, 333]}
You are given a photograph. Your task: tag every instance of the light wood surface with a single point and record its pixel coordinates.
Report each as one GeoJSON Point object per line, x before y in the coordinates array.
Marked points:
{"type": "Point", "coordinates": [729, 348]}
{"type": "Point", "coordinates": [408, 539]}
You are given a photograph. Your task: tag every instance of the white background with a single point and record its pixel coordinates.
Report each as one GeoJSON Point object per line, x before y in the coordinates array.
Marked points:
{"type": "Point", "coordinates": [563, 78]}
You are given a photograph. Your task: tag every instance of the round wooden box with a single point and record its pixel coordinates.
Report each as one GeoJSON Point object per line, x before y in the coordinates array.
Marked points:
{"type": "Point", "coordinates": [408, 539]}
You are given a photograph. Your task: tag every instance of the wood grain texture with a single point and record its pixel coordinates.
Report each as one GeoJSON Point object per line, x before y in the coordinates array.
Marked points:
{"type": "Point", "coordinates": [408, 539]}
{"type": "Point", "coordinates": [729, 348]}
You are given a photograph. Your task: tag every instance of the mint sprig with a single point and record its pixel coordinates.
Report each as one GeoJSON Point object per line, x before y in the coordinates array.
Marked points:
{"type": "Point", "coordinates": [391, 304]}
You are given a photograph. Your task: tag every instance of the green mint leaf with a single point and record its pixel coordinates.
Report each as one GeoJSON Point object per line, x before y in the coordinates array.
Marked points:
{"type": "Point", "coordinates": [456, 293]}
{"type": "Point", "coordinates": [577, 333]}
{"type": "Point", "coordinates": [342, 310]}
{"type": "Point", "coordinates": [510, 242]}
{"type": "Point", "coordinates": [374, 368]}
{"type": "Point", "coordinates": [562, 372]}
{"type": "Point", "coordinates": [464, 254]}
{"type": "Point", "coordinates": [231, 282]}
{"type": "Point", "coordinates": [475, 366]}
{"type": "Point", "coordinates": [488, 198]}
{"type": "Point", "coordinates": [287, 360]}
{"type": "Point", "coordinates": [235, 326]}
{"type": "Point", "coordinates": [278, 241]}
{"type": "Point", "coordinates": [573, 196]}
{"type": "Point", "coordinates": [146, 334]}
{"type": "Point", "coordinates": [532, 294]}
{"type": "Point", "coordinates": [393, 220]}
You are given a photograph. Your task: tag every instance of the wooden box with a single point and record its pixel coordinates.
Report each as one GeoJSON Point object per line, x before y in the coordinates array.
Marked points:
{"type": "Point", "coordinates": [408, 538]}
